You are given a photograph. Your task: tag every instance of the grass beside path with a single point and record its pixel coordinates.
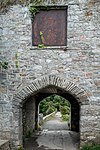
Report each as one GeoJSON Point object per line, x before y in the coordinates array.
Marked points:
{"type": "Point", "coordinates": [92, 147]}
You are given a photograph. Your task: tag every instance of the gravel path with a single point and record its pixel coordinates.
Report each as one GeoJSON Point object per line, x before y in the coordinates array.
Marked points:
{"type": "Point", "coordinates": [54, 136]}
{"type": "Point", "coordinates": [56, 123]}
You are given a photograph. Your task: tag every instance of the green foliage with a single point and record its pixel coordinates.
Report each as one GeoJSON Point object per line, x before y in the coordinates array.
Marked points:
{"type": "Point", "coordinates": [37, 2]}
{"type": "Point", "coordinates": [91, 147]}
{"type": "Point", "coordinates": [50, 110]}
{"type": "Point", "coordinates": [65, 117]}
{"type": "Point", "coordinates": [53, 103]}
{"type": "Point", "coordinates": [16, 55]}
{"type": "Point", "coordinates": [16, 63]}
{"type": "Point", "coordinates": [65, 110]}
{"type": "Point", "coordinates": [4, 65]}
{"type": "Point", "coordinates": [16, 60]}
{"type": "Point", "coordinates": [41, 46]}
{"type": "Point", "coordinates": [33, 11]}
{"type": "Point", "coordinates": [42, 40]}
{"type": "Point", "coordinates": [21, 148]}
{"type": "Point", "coordinates": [47, 107]}
{"type": "Point", "coordinates": [35, 8]}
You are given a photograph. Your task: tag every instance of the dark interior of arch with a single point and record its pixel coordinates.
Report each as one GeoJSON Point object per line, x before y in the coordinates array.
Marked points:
{"type": "Point", "coordinates": [30, 108]}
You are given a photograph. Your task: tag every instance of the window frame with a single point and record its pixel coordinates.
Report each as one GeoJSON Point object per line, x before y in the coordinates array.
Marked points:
{"type": "Point", "coordinates": [66, 18]}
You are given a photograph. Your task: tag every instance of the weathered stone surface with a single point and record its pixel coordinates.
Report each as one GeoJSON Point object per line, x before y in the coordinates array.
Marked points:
{"type": "Point", "coordinates": [4, 145]}
{"type": "Point", "coordinates": [76, 70]}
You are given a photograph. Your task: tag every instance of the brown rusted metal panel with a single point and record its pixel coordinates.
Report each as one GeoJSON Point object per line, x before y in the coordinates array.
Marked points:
{"type": "Point", "coordinates": [53, 24]}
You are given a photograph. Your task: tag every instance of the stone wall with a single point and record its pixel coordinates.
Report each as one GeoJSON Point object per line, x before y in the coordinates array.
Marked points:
{"type": "Point", "coordinates": [28, 116]}
{"type": "Point", "coordinates": [80, 63]}
{"type": "Point", "coordinates": [4, 145]}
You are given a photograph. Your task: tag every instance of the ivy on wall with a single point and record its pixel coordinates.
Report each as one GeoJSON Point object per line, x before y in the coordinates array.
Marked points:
{"type": "Point", "coordinates": [16, 60]}
{"type": "Point", "coordinates": [34, 9]}
{"type": "Point", "coordinates": [4, 65]}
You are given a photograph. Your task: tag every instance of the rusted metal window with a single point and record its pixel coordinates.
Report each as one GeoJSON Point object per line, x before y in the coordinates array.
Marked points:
{"type": "Point", "coordinates": [52, 24]}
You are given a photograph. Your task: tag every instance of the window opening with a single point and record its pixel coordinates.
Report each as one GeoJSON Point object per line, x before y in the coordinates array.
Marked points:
{"type": "Point", "coordinates": [49, 27]}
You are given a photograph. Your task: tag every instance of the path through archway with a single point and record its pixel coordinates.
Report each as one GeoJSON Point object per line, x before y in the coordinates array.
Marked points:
{"type": "Point", "coordinates": [29, 97]}
{"type": "Point", "coordinates": [52, 129]}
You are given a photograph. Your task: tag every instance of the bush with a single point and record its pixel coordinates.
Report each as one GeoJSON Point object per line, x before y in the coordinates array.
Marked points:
{"type": "Point", "coordinates": [54, 103]}
{"type": "Point", "coordinates": [65, 110]}
{"type": "Point", "coordinates": [21, 148]}
{"type": "Point", "coordinates": [65, 117]}
{"type": "Point", "coordinates": [91, 147]}
{"type": "Point", "coordinates": [50, 110]}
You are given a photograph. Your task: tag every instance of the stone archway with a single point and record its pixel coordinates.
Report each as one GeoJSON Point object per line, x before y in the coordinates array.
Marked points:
{"type": "Point", "coordinates": [32, 90]}
{"type": "Point", "coordinates": [75, 106]}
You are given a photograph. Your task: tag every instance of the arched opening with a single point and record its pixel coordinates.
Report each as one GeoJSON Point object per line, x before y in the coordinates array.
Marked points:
{"type": "Point", "coordinates": [54, 113]}
{"type": "Point", "coordinates": [54, 104]}
{"type": "Point", "coordinates": [75, 108]}
{"type": "Point", "coordinates": [30, 109]}
{"type": "Point", "coordinates": [25, 104]}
